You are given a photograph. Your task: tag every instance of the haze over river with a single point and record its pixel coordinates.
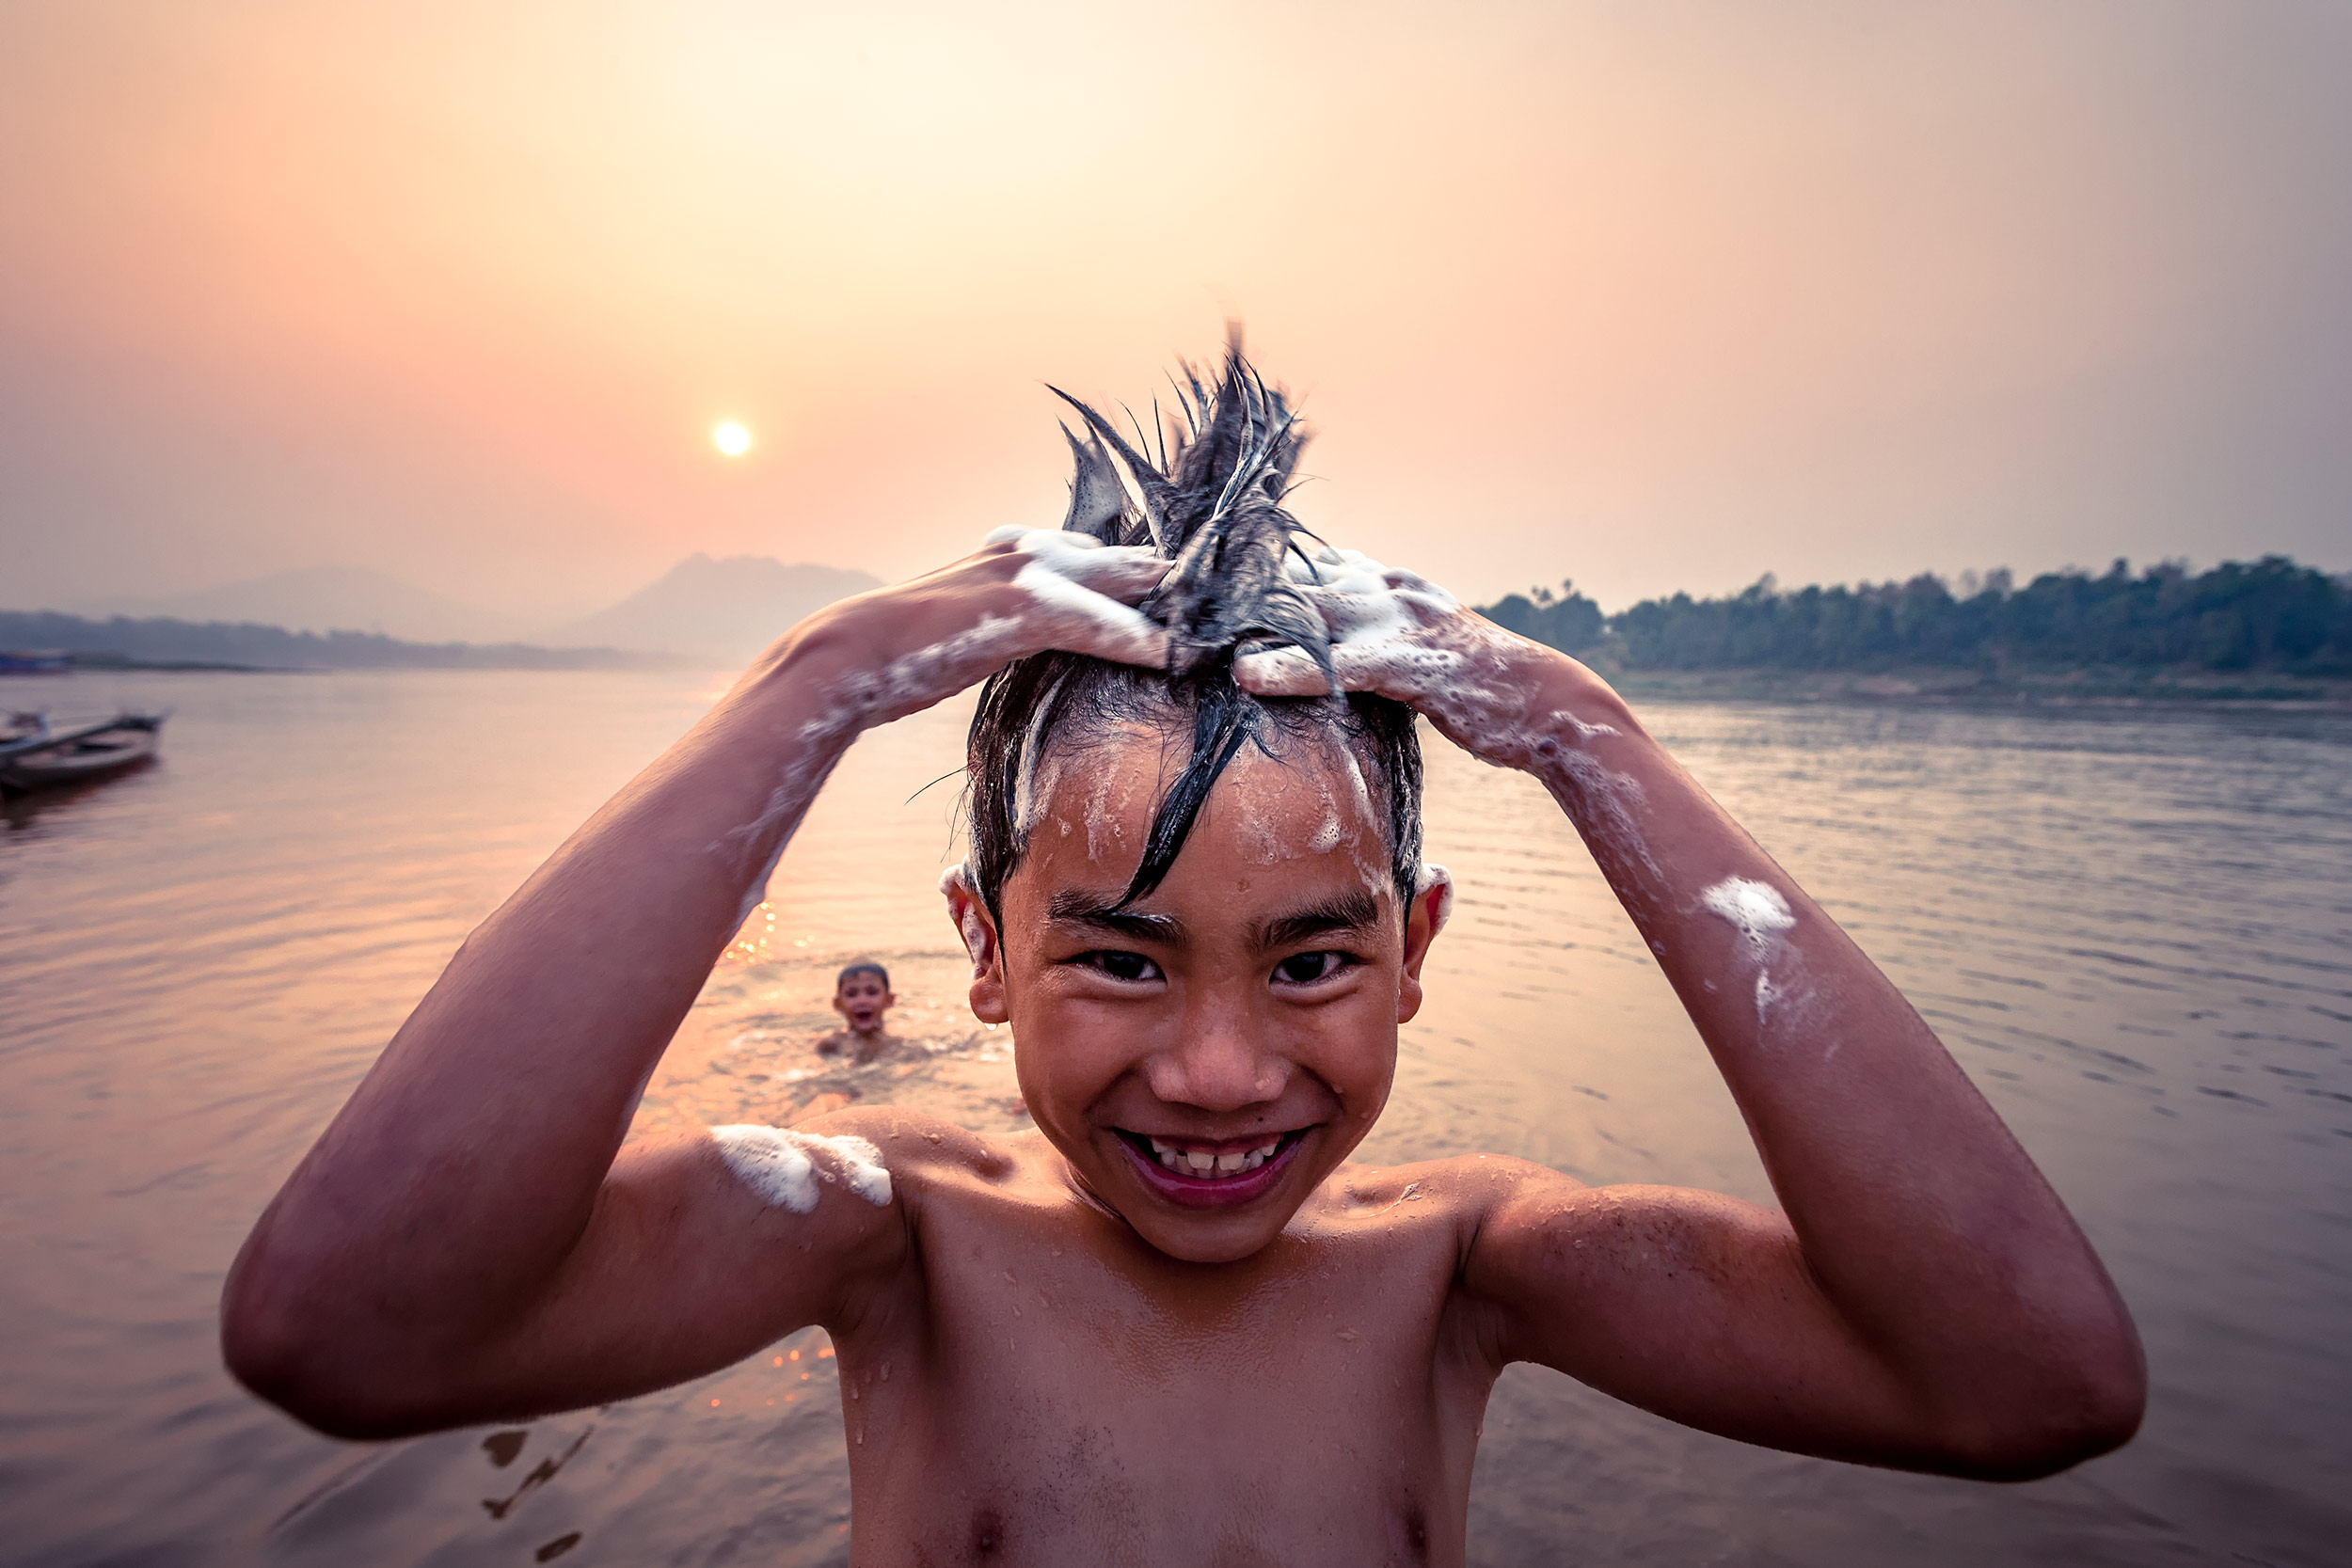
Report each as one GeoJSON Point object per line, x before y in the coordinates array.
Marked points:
{"type": "Point", "coordinates": [2134, 931]}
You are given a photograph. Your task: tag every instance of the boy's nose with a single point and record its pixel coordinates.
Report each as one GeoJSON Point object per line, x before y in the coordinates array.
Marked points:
{"type": "Point", "coordinates": [1218, 1063]}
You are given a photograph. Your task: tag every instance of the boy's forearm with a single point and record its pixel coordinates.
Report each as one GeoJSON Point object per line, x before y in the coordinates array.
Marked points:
{"type": "Point", "coordinates": [1920, 1217]}
{"type": "Point", "coordinates": [469, 1159]}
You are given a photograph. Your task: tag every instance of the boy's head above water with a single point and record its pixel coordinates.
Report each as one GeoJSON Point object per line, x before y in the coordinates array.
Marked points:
{"type": "Point", "coordinates": [861, 994]}
{"type": "Point", "coordinates": [1206, 1051]}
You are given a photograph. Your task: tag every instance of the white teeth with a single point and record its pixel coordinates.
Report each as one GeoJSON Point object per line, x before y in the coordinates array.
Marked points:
{"type": "Point", "coordinates": [1195, 1163]}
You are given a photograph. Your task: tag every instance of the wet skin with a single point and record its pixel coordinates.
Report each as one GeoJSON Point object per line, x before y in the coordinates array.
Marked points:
{"type": "Point", "coordinates": [1055, 1349]}
{"type": "Point", "coordinates": [1267, 1364]}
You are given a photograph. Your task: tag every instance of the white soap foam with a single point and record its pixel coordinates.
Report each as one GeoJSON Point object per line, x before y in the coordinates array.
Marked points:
{"type": "Point", "coordinates": [968, 924]}
{"type": "Point", "coordinates": [783, 1168]}
{"type": "Point", "coordinates": [1432, 875]}
{"type": "Point", "coordinates": [1328, 831]}
{"type": "Point", "coordinates": [1759, 913]}
{"type": "Point", "coordinates": [1105, 831]}
{"type": "Point", "coordinates": [1756, 909]}
{"type": "Point", "coordinates": [1034, 788]}
{"type": "Point", "coordinates": [1399, 635]}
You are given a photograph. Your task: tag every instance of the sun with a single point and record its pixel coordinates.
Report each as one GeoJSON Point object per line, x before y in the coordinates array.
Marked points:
{"type": "Point", "coordinates": [731, 438]}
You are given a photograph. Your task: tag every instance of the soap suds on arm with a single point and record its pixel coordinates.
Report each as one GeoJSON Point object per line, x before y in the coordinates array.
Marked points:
{"type": "Point", "coordinates": [1759, 913]}
{"type": "Point", "coordinates": [783, 1169]}
{"type": "Point", "coordinates": [1756, 909]}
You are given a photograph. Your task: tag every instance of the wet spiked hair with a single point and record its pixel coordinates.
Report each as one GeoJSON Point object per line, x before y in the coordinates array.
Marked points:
{"type": "Point", "coordinates": [1210, 498]}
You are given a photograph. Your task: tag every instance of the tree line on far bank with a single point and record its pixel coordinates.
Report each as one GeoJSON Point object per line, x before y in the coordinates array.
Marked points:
{"type": "Point", "coordinates": [245, 645]}
{"type": "Point", "coordinates": [2268, 614]}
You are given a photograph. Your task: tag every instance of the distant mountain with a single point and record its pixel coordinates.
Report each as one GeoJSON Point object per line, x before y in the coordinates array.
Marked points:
{"type": "Point", "coordinates": [328, 598]}
{"type": "Point", "coordinates": [725, 610]}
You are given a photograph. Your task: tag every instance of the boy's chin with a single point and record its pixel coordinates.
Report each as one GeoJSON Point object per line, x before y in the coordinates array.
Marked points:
{"type": "Point", "coordinates": [1224, 1241]}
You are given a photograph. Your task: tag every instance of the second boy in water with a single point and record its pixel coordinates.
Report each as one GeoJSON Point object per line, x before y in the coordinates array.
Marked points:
{"type": "Point", "coordinates": [863, 997]}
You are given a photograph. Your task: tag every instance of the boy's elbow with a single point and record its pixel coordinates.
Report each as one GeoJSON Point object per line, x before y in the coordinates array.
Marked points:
{"type": "Point", "coordinates": [287, 1353]}
{"type": "Point", "coordinates": [2069, 1409]}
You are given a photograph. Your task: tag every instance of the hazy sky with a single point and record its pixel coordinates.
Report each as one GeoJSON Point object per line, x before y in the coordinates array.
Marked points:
{"type": "Point", "coordinates": [1654, 295]}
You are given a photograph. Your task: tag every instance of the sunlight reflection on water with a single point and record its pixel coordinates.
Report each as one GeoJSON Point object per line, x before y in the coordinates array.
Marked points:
{"type": "Point", "coordinates": [2132, 929]}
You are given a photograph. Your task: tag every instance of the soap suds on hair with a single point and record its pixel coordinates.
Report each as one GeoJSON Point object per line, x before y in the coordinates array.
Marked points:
{"type": "Point", "coordinates": [783, 1168]}
{"type": "Point", "coordinates": [1435, 876]}
{"type": "Point", "coordinates": [968, 924]}
{"type": "Point", "coordinates": [1402, 636]}
{"type": "Point", "coordinates": [1034, 785]}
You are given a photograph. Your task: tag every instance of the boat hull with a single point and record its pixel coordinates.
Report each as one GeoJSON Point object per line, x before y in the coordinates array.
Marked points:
{"type": "Point", "coordinates": [88, 755]}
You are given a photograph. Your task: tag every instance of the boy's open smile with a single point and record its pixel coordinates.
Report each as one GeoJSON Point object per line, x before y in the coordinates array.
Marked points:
{"type": "Point", "coordinates": [1213, 1174]}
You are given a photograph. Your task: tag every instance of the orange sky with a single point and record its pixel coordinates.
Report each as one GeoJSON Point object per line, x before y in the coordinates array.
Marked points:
{"type": "Point", "coordinates": [1655, 296]}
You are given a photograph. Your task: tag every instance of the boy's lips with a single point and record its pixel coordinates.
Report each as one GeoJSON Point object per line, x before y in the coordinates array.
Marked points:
{"type": "Point", "coordinates": [1198, 1173]}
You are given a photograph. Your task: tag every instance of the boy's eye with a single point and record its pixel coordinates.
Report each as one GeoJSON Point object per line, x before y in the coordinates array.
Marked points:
{"type": "Point", "coordinates": [1123, 966]}
{"type": "Point", "coordinates": [1305, 969]}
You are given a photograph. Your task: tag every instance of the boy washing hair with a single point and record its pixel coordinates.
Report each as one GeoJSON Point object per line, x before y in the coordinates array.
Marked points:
{"type": "Point", "coordinates": [1173, 1322]}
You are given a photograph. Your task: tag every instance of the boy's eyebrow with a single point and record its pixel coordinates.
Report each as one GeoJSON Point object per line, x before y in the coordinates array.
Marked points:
{"type": "Point", "coordinates": [1348, 911]}
{"type": "Point", "coordinates": [1072, 906]}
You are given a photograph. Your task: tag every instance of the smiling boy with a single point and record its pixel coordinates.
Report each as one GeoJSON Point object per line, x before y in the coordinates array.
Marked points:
{"type": "Point", "coordinates": [1172, 1323]}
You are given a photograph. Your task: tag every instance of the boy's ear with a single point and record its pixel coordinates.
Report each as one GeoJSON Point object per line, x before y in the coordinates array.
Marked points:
{"type": "Point", "coordinates": [1433, 902]}
{"type": "Point", "coordinates": [978, 930]}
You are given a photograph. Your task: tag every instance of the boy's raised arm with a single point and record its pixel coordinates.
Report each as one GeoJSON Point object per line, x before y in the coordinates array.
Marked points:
{"type": "Point", "coordinates": [460, 1243]}
{"type": "Point", "coordinates": [1925, 1300]}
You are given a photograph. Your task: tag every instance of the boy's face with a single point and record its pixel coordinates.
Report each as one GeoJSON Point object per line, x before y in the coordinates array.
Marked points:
{"type": "Point", "coordinates": [861, 999]}
{"type": "Point", "coordinates": [1241, 1018]}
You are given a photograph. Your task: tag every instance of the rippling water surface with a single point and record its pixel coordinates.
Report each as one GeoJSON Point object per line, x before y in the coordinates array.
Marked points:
{"type": "Point", "coordinates": [2134, 932]}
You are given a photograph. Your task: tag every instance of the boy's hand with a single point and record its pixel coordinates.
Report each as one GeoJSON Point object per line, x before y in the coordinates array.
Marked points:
{"type": "Point", "coordinates": [1025, 591]}
{"type": "Point", "coordinates": [1497, 695]}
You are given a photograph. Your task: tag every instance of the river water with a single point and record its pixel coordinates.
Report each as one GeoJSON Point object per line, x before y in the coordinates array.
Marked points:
{"type": "Point", "coordinates": [2135, 931]}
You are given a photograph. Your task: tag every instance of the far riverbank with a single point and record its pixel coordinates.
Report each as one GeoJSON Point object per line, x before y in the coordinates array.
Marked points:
{"type": "Point", "coordinates": [1945, 687]}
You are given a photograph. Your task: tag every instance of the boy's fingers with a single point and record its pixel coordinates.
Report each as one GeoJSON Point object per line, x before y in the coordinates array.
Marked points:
{"type": "Point", "coordinates": [1280, 672]}
{"type": "Point", "coordinates": [1082, 621]}
{"type": "Point", "coordinates": [1147, 646]}
{"type": "Point", "coordinates": [1374, 667]}
{"type": "Point", "coordinates": [1391, 667]}
{"type": "Point", "coordinates": [1122, 572]}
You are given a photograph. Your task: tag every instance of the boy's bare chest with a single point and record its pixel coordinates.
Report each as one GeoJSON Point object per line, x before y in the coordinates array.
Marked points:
{"type": "Point", "coordinates": [1053, 1403]}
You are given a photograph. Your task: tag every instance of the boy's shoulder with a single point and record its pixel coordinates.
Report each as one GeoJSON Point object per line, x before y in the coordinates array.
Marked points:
{"type": "Point", "coordinates": [1460, 1191]}
{"type": "Point", "coordinates": [925, 1153]}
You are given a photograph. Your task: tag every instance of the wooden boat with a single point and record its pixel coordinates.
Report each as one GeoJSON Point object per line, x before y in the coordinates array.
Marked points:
{"type": "Point", "coordinates": [44, 757]}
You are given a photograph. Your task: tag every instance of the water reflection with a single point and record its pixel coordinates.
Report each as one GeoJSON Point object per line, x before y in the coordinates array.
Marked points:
{"type": "Point", "coordinates": [2132, 930]}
